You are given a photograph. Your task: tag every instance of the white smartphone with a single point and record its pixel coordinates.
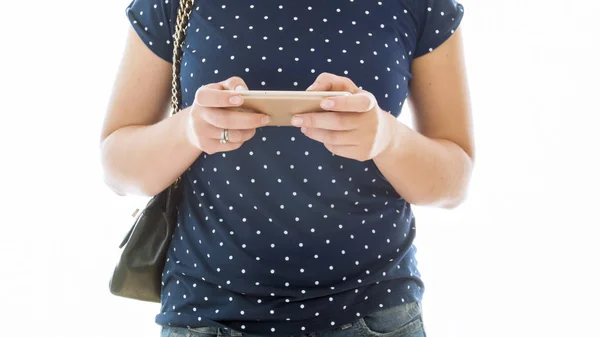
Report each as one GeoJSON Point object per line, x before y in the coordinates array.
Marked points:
{"type": "Point", "coordinates": [282, 105]}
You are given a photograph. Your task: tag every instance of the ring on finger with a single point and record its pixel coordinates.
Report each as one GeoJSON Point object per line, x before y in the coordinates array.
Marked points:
{"type": "Point", "coordinates": [224, 136]}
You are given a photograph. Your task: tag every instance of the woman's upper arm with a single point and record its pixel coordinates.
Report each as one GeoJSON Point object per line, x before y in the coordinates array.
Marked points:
{"type": "Point", "coordinates": [439, 93]}
{"type": "Point", "coordinates": [141, 92]}
{"type": "Point", "coordinates": [142, 88]}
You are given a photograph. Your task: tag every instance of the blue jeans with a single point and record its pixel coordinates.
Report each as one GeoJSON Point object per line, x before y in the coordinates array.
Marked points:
{"type": "Point", "coordinates": [401, 321]}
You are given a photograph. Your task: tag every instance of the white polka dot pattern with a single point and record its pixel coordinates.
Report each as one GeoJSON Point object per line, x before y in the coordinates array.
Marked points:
{"type": "Point", "coordinates": [280, 236]}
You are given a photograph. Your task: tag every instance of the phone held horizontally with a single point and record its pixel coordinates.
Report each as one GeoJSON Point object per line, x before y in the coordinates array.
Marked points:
{"type": "Point", "coordinates": [282, 105]}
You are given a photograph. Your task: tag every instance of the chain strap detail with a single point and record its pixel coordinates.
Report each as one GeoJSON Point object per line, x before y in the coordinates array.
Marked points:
{"type": "Point", "coordinates": [184, 12]}
{"type": "Point", "coordinates": [183, 18]}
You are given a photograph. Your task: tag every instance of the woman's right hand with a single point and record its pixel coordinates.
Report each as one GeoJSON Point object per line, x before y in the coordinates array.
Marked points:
{"type": "Point", "coordinates": [215, 110]}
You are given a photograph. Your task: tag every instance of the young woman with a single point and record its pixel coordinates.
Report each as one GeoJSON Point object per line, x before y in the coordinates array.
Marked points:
{"type": "Point", "coordinates": [303, 230]}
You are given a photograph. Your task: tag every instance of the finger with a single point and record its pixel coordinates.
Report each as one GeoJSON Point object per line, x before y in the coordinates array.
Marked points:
{"type": "Point", "coordinates": [360, 102]}
{"type": "Point", "coordinates": [328, 82]}
{"type": "Point", "coordinates": [331, 82]}
{"type": "Point", "coordinates": [241, 109]}
{"type": "Point", "coordinates": [230, 119]}
{"type": "Point", "coordinates": [328, 137]}
{"type": "Point", "coordinates": [336, 121]}
{"type": "Point", "coordinates": [234, 83]}
{"type": "Point", "coordinates": [212, 95]}
{"type": "Point", "coordinates": [235, 135]}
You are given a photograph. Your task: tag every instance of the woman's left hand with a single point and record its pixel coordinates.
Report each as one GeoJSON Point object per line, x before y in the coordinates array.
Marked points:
{"type": "Point", "coordinates": [352, 126]}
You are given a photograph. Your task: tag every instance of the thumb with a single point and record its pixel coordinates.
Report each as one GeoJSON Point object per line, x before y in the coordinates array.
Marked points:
{"type": "Point", "coordinates": [234, 83]}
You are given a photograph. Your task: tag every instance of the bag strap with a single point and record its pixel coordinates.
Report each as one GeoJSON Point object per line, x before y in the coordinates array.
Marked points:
{"type": "Point", "coordinates": [184, 12]}
{"type": "Point", "coordinates": [183, 18]}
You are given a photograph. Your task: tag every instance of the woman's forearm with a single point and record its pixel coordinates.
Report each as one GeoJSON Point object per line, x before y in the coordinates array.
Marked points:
{"type": "Point", "coordinates": [425, 171]}
{"type": "Point", "coordinates": [144, 160]}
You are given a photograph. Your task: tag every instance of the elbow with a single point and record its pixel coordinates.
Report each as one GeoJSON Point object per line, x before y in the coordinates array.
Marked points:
{"type": "Point", "coordinates": [115, 189]}
{"type": "Point", "coordinates": [123, 183]}
{"type": "Point", "coordinates": [112, 183]}
{"type": "Point", "coordinates": [458, 195]}
{"type": "Point", "coordinates": [449, 202]}
{"type": "Point", "coordinates": [122, 186]}
{"type": "Point", "coordinates": [449, 190]}
{"type": "Point", "coordinates": [109, 176]}
{"type": "Point", "coordinates": [459, 192]}
{"type": "Point", "coordinates": [448, 197]}
{"type": "Point", "coordinates": [454, 201]}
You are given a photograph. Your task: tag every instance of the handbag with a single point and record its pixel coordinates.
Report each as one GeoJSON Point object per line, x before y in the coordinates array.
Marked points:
{"type": "Point", "coordinates": [138, 272]}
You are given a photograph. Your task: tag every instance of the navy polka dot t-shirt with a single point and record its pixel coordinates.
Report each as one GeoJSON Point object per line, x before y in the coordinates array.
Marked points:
{"type": "Point", "coordinates": [280, 236]}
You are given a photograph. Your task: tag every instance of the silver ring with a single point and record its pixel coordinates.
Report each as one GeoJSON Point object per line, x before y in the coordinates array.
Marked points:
{"type": "Point", "coordinates": [224, 136]}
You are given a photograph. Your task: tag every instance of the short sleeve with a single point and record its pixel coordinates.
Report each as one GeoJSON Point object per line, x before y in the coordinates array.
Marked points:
{"type": "Point", "coordinates": [154, 22]}
{"type": "Point", "coordinates": [437, 21]}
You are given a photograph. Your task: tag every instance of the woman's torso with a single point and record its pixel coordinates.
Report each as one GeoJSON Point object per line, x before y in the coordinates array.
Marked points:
{"type": "Point", "coordinates": [280, 234]}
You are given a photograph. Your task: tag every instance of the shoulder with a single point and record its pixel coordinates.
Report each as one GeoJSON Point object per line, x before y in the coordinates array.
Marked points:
{"type": "Point", "coordinates": [154, 21]}
{"type": "Point", "coordinates": [161, 13]}
{"type": "Point", "coordinates": [437, 21]}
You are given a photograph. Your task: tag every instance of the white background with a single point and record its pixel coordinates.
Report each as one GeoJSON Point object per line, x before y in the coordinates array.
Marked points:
{"type": "Point", "coordinates": [520, 258]}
